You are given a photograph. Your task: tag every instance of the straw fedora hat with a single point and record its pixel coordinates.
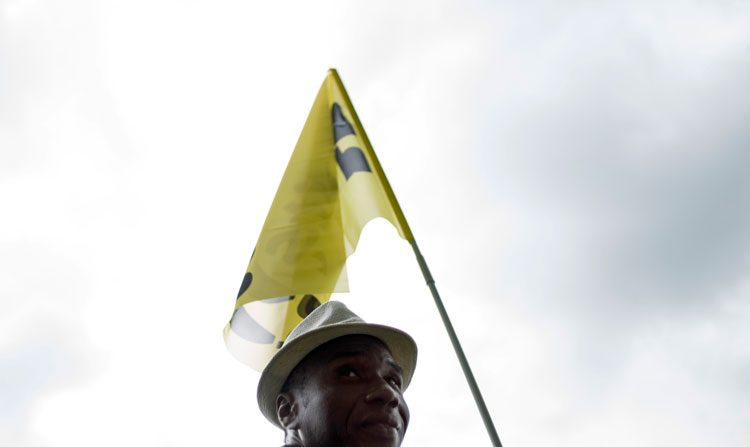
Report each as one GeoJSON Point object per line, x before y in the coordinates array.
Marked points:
{"type": "Point", "coordinates": [329, 321]}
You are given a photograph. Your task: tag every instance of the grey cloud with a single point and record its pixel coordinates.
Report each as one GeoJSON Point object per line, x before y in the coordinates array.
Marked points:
{"type": "Point", "coordinates": [46, 359]}
{"type": "Point", "coordinates": [42, 348]}
{"type": "Point", "coordinates": [33, 366]}
{"type": "Point", "coordinates": [623, 169]}
{"type": "Point", "coordinates": [653, 162]}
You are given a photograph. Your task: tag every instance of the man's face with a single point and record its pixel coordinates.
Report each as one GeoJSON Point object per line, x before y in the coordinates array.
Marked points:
{"type": "Point", "coordinates": [351, 395]}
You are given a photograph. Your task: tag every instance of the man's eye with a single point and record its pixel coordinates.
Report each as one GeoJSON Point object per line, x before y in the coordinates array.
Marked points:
{"type": "Point", "coordinates": [395, 382]}
{"type": "Point", "coordinates": [348, 371]}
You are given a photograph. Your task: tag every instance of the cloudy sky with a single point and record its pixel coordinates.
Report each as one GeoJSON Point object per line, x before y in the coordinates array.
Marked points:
{"type": "Point", "coordinates": [576, 173]}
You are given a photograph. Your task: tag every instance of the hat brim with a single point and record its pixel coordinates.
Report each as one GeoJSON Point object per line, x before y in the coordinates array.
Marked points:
{"type": "Point", "coordinates": [274, 375]}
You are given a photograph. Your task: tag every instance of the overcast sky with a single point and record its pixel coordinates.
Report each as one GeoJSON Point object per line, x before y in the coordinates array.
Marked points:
{"type": "Point", "coordinates": [576, 173]}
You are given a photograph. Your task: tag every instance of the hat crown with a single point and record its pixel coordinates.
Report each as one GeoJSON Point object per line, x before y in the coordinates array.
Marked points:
{"type": "Point", "coordinates": [330, 313]}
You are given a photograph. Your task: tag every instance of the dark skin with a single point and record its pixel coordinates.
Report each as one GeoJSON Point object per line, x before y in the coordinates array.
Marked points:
{"type": "Point", "coordinates": [346, 393]}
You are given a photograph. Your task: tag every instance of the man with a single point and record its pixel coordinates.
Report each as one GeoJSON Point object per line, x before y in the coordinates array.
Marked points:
{"type": "Point", "coordinates": [339, 381]}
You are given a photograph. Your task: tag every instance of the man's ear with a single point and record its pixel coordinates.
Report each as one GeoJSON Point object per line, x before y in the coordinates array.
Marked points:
{"type": "Point", "coordinates": [287, 410]}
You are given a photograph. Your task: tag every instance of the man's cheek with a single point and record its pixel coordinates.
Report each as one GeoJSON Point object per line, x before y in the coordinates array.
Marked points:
{"type": "Point", "coordinates": [404, 412]}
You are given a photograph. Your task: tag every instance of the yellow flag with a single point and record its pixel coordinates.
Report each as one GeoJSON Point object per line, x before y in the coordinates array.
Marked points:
{"type": "Point", "coordinates": [332, 187]}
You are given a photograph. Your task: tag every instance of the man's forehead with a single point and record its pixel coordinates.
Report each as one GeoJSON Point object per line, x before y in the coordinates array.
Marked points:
{"type": "Point", "coordinates": [353, 346]}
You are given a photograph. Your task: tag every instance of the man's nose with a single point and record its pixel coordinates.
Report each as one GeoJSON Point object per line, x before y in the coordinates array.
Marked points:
{"type": "Point", "coordinates": [384, 394]}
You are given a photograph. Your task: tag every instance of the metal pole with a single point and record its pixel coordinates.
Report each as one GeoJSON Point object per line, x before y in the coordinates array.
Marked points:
{"type": "Point", "coordinates": [486, 418]}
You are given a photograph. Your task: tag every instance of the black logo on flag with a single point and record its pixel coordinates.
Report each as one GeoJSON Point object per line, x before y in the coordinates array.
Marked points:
{"type": "Point", "coordinates": [341, 126]}
{"type": "Point", "coordinates": [245, 325]}
{"type": "Point", "coordinates": [350, 160]}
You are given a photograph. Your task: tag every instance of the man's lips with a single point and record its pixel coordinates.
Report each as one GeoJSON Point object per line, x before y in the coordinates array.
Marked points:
{"type": "Point", "coordinates": [385, 420]}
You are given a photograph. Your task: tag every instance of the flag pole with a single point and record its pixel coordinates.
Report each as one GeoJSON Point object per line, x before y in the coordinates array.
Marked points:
{"type": "Point", "coordinates": [409, 236]}
{"type": "Point", "coordinates": [486, 418]}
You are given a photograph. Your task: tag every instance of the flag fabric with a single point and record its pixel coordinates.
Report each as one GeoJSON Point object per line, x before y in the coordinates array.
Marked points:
{"type": "Point", "coordinates": [332, 186]}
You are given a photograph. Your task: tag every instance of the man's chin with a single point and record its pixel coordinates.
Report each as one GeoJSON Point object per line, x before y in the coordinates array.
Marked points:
{"type": "Point", "coordinates": [378, 435]}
